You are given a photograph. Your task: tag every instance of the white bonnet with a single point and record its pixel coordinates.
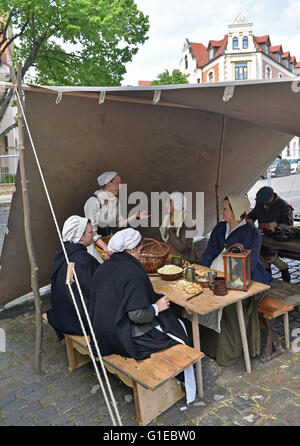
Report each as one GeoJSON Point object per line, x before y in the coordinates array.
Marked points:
{"type": "Point", "coordinates": [106, 177]}
{"type": "Point", "coordinates": [74, 228]}
{"type": "Point", "coordinates": [125, 239]}
{"type": "Point", "coordinates": [239, 204]}
{"type": "Point", "coordinates": [178, 200]}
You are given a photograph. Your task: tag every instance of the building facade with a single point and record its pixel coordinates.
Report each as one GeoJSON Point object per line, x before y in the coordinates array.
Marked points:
{"type": "Point", "coordinates": [9, 141]}
{"type": "Point", "coordinates": [240, 55]}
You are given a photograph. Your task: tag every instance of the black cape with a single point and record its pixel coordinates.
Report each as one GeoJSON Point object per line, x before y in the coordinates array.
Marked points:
{"type": "Point", "coordinates": [62, 316]}
{"type": "Point", "coordinates": [120, 285]}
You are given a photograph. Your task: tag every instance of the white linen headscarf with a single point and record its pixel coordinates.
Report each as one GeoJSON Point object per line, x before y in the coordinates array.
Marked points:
{"type": "Point", "coordinates": [179, 203]}
{"type": "Point", "coordinates": [106, 177]}
{"type": "Point", "coordinates": [74, 228]}
{"type": "Point", "coordinates": [239, 204]}
{"type": "Point", "coordinates": [126, 239]}
{"type": "Point", "coordinates": [178, 200]}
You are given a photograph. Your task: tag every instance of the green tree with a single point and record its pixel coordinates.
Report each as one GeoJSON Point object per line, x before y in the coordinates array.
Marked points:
{"type": "Point", "coordinates": [166, 78]}
{"type": "Point", "coordinates": [102, 36]}
{"type": "Point", "coordinates": [70, 42]}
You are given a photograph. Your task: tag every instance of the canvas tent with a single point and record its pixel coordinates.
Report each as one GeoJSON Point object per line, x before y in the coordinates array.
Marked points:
{"type": "Point", "coordinates": [160, 138]}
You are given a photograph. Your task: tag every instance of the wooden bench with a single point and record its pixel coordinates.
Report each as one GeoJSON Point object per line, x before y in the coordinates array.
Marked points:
{"type": "Point", "coordinates": [155, 387]}
{"type": "Point", "coordinates": [281, 298]}
{"type": "Point", "coordinates": [271, 308]}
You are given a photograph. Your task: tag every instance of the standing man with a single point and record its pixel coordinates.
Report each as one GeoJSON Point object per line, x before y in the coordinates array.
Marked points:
{"type": "Point", "coordinates": [102, 208]}
{"type": "Point", "coordinates": [272, 211]}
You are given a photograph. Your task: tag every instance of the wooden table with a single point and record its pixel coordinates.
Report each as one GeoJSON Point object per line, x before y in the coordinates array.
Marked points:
{"type": "Point", "coordinates": [206, 303]}
{"type": "Point", "coordinates": [289, 249]}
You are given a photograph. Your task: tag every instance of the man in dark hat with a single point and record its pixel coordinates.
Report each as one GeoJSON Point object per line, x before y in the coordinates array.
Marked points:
{"type": "Point", "coordinates": [272, 211]}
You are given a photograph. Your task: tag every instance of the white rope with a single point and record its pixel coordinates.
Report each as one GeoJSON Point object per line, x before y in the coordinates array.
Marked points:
{"type": "Point", "coordinates": [102, 97]}
{"type": "Point", "coordinates": [156, 97]}
{"type": "Point", "coordinates": [58, 98]}
{"type": "Point", "coordinates": [78, 286]}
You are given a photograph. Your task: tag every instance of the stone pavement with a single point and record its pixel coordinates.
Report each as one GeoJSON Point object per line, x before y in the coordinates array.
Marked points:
{"type": "Point", "coordinates": [270, 396]}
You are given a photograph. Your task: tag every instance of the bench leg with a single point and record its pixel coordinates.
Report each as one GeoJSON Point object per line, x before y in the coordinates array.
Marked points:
{"type": "Point", "coordinates": [151, 403]}
{"type": "Point", "coordinates": [273, 340]}
{"type": "Point", "coordinates": [75, 358]}
{"type": "Point", "coordinates": [286, 330]}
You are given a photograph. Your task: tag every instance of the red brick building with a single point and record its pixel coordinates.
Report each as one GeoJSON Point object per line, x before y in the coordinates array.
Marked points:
{"type": "Point", "coordinates": [239, 55]}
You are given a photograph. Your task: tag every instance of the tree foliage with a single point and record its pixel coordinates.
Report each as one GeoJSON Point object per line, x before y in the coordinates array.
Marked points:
{"type": "Point", "coordinates": [101, 36]}
{"type": "Point", "coordinates": [166, 78]}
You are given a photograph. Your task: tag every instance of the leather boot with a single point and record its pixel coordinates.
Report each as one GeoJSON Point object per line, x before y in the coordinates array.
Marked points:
{"type": "Point", "coordinates": [286, 277]}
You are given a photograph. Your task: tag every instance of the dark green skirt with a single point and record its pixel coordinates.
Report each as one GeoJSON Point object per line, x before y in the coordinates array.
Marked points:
{"type": "Point", "coordinates": [226, 347]}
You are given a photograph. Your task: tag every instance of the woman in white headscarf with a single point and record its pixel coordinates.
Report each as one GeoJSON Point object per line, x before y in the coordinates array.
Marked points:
{"type": "Point", "coordinates": [126, 313]}
{"type": "Point", "coordinates": [77, 235]}
{"type": "Point", "coordinates": [219, 331]}
{"type": "Point", "coordinates": [102, 208]}
{"type": "Point", "coordinates": [175, 226]}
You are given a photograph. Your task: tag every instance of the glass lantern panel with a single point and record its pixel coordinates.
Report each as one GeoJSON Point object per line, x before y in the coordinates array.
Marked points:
{"type": "Point", "coordinates": [234, 267]}
{"type": "Point", "coordinates": [248, 270]}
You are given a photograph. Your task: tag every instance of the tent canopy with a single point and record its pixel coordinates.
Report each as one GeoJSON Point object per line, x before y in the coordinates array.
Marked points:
{"type": "Point", "coordinates": [160, 138]}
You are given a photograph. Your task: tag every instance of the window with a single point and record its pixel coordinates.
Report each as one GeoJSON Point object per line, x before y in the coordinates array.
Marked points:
{"type": "Point", "coordinates": [5, 144]}
{"type": "Point", "coordinates": [267, 49]}
{"type": "Point", "coordinates": [211, 76]}
{"type": "Point", "coordinates": [235, 43]}
{"type": "Point", "coordinates": [241, 71]}
{"type": "Point", "coordinates": [280, 75]}
{"type": "Point", "coordinates": [279, 58]}
{"type": "Point", "coordinates": [186, 62]}
{"type": "Point", "coordinates": [211, 53]}
{"type": "Point", "coordinates": [245, 42]}
{"type": "Point", "coordinates": [287, 64]}
{"type": "Point", "coordinates": [268, 73]}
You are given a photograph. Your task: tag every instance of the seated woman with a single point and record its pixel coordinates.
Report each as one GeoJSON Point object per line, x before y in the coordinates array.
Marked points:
{"type": "Point", "coordinates": [77, 234]}
{"type": "Point", "coordinates": [224, 341]}
{"type": "Point", "coordinates": [129, 318]}
{"type": "Point", "coordinates": [174, 228]}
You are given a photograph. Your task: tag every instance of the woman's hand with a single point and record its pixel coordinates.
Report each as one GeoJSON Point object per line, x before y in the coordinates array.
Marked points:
{"type": "Point", "coordinates": [163, 303]}
{"type": "Point", "coordinates": [142, 215]}
{"type": "Point", "coordinates": [103, 246]}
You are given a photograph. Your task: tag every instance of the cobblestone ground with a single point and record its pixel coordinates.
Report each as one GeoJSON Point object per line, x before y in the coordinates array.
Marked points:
{"type": "Point", "coordinates": [269, 396]}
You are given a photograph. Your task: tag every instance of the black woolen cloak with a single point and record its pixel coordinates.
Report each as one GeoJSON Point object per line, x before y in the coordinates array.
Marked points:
{"type": "Point", "coordinates": [120, 285]}
{"type": "Point", "coordinates": [62, 316]}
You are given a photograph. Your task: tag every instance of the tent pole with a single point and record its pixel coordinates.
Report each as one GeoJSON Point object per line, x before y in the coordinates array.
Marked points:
{"type": "Point", "coordinates": [27, 226]}
{"type": "Point", "coordinates": [217, 185]}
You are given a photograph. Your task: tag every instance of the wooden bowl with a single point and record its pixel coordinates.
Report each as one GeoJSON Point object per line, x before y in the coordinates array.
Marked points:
{"type": "Point", "coordinates": [203, 283]}
{"type": "Point", "coordinates": [170, 276]}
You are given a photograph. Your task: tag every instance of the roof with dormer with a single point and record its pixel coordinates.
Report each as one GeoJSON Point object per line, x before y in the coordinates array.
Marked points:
{"type": "Point", "coordinates": [201, 52]}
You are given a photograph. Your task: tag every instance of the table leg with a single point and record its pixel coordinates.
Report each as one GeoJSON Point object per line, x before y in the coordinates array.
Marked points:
{"type": "Point", "coordinates": [240, 313]}
{"type": "Point", "coordinates": [196, 341]}
{"type": "Point", "coordinates": [286, 330]}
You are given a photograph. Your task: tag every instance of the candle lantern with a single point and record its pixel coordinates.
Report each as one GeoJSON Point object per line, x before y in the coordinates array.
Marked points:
{"type": "Point", "coordinates": [237, 267]}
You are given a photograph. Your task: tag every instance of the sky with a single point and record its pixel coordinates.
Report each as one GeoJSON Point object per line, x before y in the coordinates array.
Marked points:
{"type": "Point", "coordinates": [173, 21]}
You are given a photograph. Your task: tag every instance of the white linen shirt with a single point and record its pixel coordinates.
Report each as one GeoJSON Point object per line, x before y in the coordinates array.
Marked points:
{"type": "Point", "coordinates": [100, 213]}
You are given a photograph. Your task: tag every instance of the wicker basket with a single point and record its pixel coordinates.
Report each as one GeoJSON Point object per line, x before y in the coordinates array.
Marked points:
{"type": "Point", "coordinates": [154, 255]}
